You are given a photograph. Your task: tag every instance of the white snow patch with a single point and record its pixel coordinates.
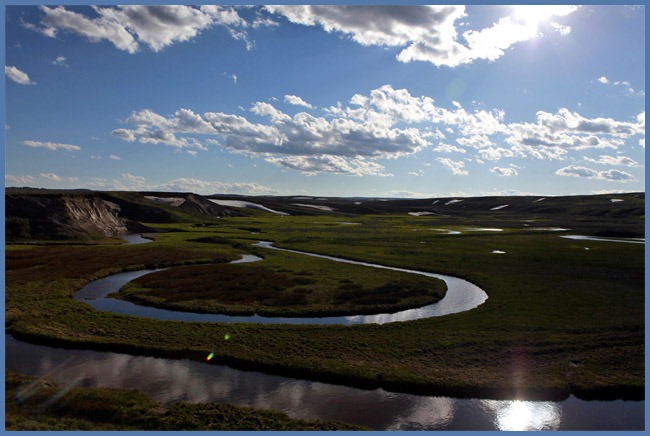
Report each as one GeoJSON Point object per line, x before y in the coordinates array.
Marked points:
{"type": "Point", "coordinates": [246, 205]}
{"type": "Point", "coordinates": [447, 231]}
{"type": "Point", "coordinates": [357, 202]}
{"type": "Point", "coordinates": [172, 201]}
{"type": "Point", "coordinates": [550, 229]}
{"type": "Point", "coordinates": [435, 202]}
{"type": "Point", "coordinates": [499, 207]}
{"type": "Point", "coordinates": [498, 252]}
{"type": "Point", "coordinates": [347, 223]}
{"type": "Point", "coordinates": [452, 202]}
{"type": "Point", "coordinates": [616, 200]}
{"type": "Point", "coordinates": [422, 213]}
{"type": "Point", "coordinates": [540, 199]}
{"type": "Point", "coordinates": [314, 206]}
{"type": "Point", "coordinates": [482, 229]}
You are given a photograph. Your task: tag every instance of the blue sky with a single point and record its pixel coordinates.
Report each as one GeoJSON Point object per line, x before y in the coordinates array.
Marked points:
{"type": "Point", "coordinates": [412, 101]}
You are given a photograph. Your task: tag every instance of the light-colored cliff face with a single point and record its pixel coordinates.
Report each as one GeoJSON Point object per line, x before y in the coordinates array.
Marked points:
{"type": "Point", "coordinates": [62, 216]}
{"type": "Point", "coordinates": [93, 215]}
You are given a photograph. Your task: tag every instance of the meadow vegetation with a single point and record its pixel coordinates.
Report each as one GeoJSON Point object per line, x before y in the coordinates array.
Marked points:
{"type": "Point", "coordinates": [563, 316]}
{"type": "Point", "coordinates": [83, 408]}
{"type": "Point", "coordinates": [284, 284]}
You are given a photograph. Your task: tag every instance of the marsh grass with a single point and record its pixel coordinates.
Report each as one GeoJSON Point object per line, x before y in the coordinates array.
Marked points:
{"type": "Point", "coordinates": [559, 319]}
{"type": "Point", "coordinates": [284, 284]}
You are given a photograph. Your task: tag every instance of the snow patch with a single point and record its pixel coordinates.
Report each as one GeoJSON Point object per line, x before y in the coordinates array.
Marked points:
{"type": "Point", "coordinates": [452, 202]}
{"type": "Point", "coordinates": [499, 207]}
{"type": "Point", "coordinates": [246, 205]}
{"type": "Point", "coordinates": [422, 213]}
{"type": "Point", "coordinates": [616, 200]}
{"type": "Point", "coordinates": [314, 206]}
{"type": "Point", "coordinates": [498, 252]}
{"type": "Point", "coordinates": [540, 199]}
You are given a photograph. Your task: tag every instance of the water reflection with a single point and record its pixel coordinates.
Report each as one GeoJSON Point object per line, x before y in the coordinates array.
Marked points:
{"type": "Point", "coordinates": [524, 415]}
{"type": "Point", "coordinates": [169, 381]}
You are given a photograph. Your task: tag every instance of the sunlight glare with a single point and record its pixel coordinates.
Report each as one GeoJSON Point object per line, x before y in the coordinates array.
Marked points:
{"type": "Point", "coordinates": [533, 15]}
{"type": "Point", "coordinates": [524, 415]}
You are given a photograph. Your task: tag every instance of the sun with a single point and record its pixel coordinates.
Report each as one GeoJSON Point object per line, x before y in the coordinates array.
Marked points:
{"type": "Point", "coordinates": [533, 15]}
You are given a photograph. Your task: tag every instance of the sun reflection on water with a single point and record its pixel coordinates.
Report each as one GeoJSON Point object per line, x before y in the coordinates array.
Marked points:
{"type": "Point", "coordinates": [524, 415]}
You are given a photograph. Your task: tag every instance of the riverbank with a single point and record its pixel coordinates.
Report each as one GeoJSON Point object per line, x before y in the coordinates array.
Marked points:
{"type": "Point", "coordinates": [41, 404]}
{"type": "Point", "coordinates": [540, 335]}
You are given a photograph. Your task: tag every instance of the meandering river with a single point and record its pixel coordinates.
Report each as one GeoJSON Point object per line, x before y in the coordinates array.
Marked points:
{"type": "Point", "coordinates": [171, 380]}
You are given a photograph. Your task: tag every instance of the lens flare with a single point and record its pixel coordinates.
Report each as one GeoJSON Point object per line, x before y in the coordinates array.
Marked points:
{"type": "Point", "coordinates": [210, 356]}
{"type": "Point", "coordinates": [227, 336]}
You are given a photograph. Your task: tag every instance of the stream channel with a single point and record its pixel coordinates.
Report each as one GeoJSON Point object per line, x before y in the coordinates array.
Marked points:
{"type": "Point", "coordinates": [172, 380]}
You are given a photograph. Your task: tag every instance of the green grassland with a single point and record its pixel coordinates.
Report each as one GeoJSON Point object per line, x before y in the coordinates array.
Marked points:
{"type": "Point", "coordinates": [284, 284]}
{"type": "Point", "coordinates": [116, 409]}
{"type": "Point", "coordinates": [559, 319]}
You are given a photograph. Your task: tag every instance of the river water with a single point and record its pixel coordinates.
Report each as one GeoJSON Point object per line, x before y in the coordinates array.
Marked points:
{"type": "Point", "coordinates": [461, 296]}
{"type": "Point", "coordinates": [168, 380]}
{"type": "Point", "coordinates": [171, 380]}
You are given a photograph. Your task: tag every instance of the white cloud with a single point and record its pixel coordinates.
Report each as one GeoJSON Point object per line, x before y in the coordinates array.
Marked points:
{"type": "Point", "coordinates": [504, 172]}
{"type": "Point", "coordinates": [495, 153]}
{"type": "Point", "coordinates": [624, 84]}
{"type": "Point", "coordinates": [456, 167]}
{"type": "Point", "coordinates": [426, 33]}
{"type": "Point", "coordinates": [642, 142]}
{"type": "Point", "coordinates": [212, 187]}
{"type": "Point", "coordinates": [18, 180]}
{"type": "Point", "coordinates": [51, 176]}
{"type": "Point", "coordinates": [588, 173]}
{"type": "Point", "coordinates": [18, 76]}
{"type": "Point", "coordinates": [312, 165]}
{"type": "Point", "coordinates": [386, 123]}
{"type": "Point", "coordinates": [60, 60]}
{"type": "Point", "coordinates": [562, 30]}
{"type": "Point", "coordinates": [114, 157]}
{"type": "Point", "coordinates": [231, 76]}
{"type": "Point", "coordinates": [127, 27]}
{"type": "Point", "coordinates": [297, 101]}
{"type": "Point", "coordinates": [446, 148]}
{"type": "Point", "coordinates": [51, 145]}
{"type": "Point", "coordinates": [400, 193]}
{"type": "Point", "coordinates": [614, 160]}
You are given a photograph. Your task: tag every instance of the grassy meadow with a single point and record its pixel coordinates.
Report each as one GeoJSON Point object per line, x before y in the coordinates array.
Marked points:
{"type": "Point", "coordinates": [563, 316]}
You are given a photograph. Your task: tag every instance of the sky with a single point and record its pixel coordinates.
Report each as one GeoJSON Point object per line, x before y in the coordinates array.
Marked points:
{"type": "Point", "coordinates": [375, 101]}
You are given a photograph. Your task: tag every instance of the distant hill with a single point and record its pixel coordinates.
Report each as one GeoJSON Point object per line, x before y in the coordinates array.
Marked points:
{"type": "Point", "coordinates": [82, 214]}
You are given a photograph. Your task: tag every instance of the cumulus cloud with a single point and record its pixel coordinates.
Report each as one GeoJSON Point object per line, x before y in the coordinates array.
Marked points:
{"type": "Point", "coordinates": [624, 84]}
{"type": "Point", "coordinates": [51, 176]}
{"type": "Point", "coordinates": [425, 33]}
{"type": "Point", "coordinates": [504, 172]}
{"type": "Point", "coordinates": [51, 145]}
{"type": "Point", "coordinates": [588, 173]}
{"type": "Point", "coordinates": [128, 27]}
{"type": "Point", "coordinates": [614, 160]}
{"type": "Point", "coordinates": [18, 76]}
{"type": "Point", "coordinates": [456, 167]}
{"type": "Point", "coordinates": [114, 157]}
{"type": "Point", "coordinates": [312, 165]}
{"type": "Point", "coordinates": [18, 180]}
{"type": "Point", "coordinates": [447, 148]}
{"type": "Point", "coordinates": [60, 61]}
{"type": "Point", "coordinates": [386, 123]}
{"type": "Point", "coordinates": [297, 101]}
